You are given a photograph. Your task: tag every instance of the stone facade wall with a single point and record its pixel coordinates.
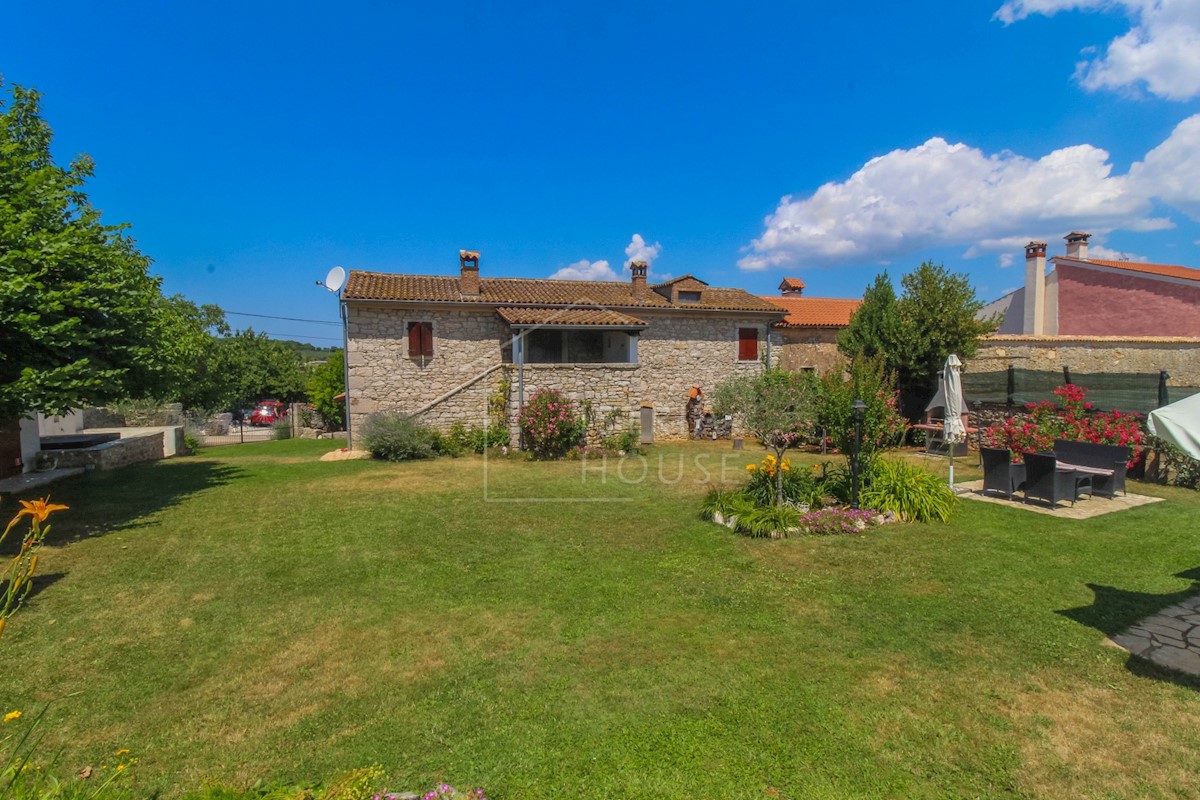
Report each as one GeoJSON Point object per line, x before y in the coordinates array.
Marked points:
{"type": "Point", "coordinates": [1178, 356]}
{"type": "Point", "coordinates": [675, 352]}
{"type": "Point", "coordinates": [809, 348]}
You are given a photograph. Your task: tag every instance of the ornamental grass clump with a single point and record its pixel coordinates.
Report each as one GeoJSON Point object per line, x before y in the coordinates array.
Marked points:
{"type": "Point", "coordinates": [551, 424]}
{"type": "Point", "coordinates": [912, 493]}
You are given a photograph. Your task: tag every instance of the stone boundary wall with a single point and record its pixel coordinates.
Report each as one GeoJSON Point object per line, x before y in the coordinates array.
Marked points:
{"type": "Point", "coordinates": [1092, 354]}
{"type": "Point", "coordinates": [112, 455]}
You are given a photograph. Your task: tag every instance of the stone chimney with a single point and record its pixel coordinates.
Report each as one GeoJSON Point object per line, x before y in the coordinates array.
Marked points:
{"type": "Point", "coordinates": [791, 287]}
{"type": "Point", "coordinates": [1035, 289]}
{"type": "Point", "coordinates": [1077, 244]}
{"type": "Point", "coordinates": [468, 282]}
{"type": "Point", "coordinates": [640, 290]}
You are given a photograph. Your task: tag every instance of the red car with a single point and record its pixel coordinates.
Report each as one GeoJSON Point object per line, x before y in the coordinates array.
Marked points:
{"type": "Point", "coordinates": [268, 412]}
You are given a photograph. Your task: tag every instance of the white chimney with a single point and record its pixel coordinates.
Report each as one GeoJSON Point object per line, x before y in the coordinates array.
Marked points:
{"type": "Point", "coordinates": [1077, 244]}
{"type": "Point", "coordinates": [1035, 289]}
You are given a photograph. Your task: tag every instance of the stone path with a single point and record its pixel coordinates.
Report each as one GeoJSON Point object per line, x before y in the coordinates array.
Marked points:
{"type": "Point", "coordinates": [1170, 638]}
{"type": "Point", "coordinates": [1084, 509]}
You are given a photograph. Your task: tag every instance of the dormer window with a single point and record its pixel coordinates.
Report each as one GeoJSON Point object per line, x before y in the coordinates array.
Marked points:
{"type": "Point", "coordinates": [689, 297]}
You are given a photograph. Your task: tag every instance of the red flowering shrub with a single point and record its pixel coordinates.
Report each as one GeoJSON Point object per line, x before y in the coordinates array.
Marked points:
{"type": "Point", "coordinates": [551, 424]}
{"type": "Point", "coordinates": [1044, 422]}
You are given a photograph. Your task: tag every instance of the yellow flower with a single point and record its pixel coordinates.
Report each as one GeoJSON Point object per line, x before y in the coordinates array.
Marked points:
{"type": "Point", "coordinates": [121, 752]}
{"type": "Point", "coordinates": [120, 767]}
{"type": "Point", "coordinates": [10, 716]}
{"type": "Point", "coordinates": [751, 467]}
{"type": "Point", "coordinates": [786, 467]}
{"type": "Point", "coordinates": [39, 509]}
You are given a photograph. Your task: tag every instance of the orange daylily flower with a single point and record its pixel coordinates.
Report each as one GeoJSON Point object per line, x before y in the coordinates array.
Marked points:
{"type": "Point", "coordinates": [39, 509]}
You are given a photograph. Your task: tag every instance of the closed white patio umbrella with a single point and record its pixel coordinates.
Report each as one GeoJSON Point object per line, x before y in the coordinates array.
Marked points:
{"type": "Point", "coordinates": [952, 425]}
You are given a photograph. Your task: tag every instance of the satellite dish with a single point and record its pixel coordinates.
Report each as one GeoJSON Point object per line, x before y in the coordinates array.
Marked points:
{"type": "Point", "coordinates": [335, 279]}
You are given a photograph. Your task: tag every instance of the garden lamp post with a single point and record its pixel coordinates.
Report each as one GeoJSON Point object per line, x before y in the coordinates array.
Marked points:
{"type": "Point", "coordinates": [859, 409]}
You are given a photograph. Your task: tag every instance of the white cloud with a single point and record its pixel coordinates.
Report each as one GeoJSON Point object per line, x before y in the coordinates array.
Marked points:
{"type": "Point", "coordinates": [1171, 171]}
{"type": "Point", "coordinates": [942, 195]}
{"type": "Point", "coordinates": [1006, 260]}
{"type": "Point", "coordinates": [1160, 51]}
{"type": "Point", "coordinates": [1108, 254]}
{"type": "Point", "coordinates": [638, 250]}
{"type": "Point", "coordinates": [584, 270]}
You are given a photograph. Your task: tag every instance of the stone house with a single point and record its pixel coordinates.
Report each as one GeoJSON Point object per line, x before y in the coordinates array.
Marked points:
{"type": "Point", "coordinates": [1084, 296]}
{"type": "Point", "coordinates": [1097, 317]}
{"type": "Point", "coordinates": [808, 335]}
{"type": "Point", "coordinates": [446, 347]}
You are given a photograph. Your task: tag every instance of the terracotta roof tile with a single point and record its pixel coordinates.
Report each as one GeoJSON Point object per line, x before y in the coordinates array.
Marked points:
{"type": "Point", "coordinates": [791, 284]}
{"type": "Point", "coordinates": [815, 312]}
{"type": "Point", "coordinates": [1164, 270]}
{"type": "Point", "coordinates": [362, 285]}
{"type": "Point", "coordinates": [549, 317]}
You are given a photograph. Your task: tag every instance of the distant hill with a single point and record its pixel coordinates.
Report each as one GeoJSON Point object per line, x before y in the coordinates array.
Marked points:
{"type": "Point", "coordinates": [308, 352]}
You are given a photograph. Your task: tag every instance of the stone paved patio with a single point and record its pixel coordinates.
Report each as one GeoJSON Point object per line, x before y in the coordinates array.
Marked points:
{"type": "Point", "coordinates": [1170, 638]}
{"type": "Point", "coordinates": [1085, 509]}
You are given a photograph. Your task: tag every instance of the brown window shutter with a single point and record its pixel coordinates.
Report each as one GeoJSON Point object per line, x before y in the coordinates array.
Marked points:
{"type": "Point", "coordinates": [427, 339]}
{"type": "Point", "coordinates": [414, 340]}
{"type": "Point", "coordinates": [747, 344]}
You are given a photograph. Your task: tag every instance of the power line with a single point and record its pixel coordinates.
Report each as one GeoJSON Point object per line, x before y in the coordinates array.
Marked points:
{"type": "Point", "coordinates": [302, 336]}
{"type": "Point", "coordinates": [289, 319]}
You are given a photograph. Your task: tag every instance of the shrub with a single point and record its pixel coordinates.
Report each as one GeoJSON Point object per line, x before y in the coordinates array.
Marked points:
{"type": "Point", "coordinates": [1075, 420]}
{"type": "Point", "coordinates": [486, 438]}
{"type": "Point", "coordinates": [882, 428]}
{"type": "Point", "coordinates": [836, 521]}
{"type": "Point", "coordinates": [281, 430]}
{"type": "Point", "coordinates": [628, 440]}
{"type": "Point", "coordinates": [191, 442]}
{"type": "Point", "coordinates": [397, 437]}
{"type": "Point", "coordinates": [1186, 468]}
{"type": "Point", "coordinates": [551, 424]}
{"type": "Point", "coordinates": [914, 494]}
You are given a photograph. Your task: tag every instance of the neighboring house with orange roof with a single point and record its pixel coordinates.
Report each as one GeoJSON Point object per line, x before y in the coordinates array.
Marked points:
{"type": "Point", "coordinates": [443, 346]}
{"type": "Point", "coordinates": [808, 335]}
{"type": "Point", "coordinates": [1084, 296]}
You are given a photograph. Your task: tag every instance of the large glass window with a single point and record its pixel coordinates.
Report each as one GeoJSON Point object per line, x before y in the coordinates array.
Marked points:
{"type": "Point", "coordinates": [579, 346]}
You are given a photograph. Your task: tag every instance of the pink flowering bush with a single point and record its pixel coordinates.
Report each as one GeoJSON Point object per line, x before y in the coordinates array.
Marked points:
{"type": "Point", "coordinates": [1074, 420]}
{"type": "Point", "coordinates": [551, 424]}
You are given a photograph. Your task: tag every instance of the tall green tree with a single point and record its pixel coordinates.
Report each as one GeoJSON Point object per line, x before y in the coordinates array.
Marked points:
{"type": "Point", "coordinates": [78, 306]}
{"type": "Point", "coordinates": [325, 382]}
{"type": "Point", "coordinates": [874, 329]}
{"type": "Point", "coordinates": [937, 317]}
{"type": "Point", "coordinates": [913, 334]}
{"type": "Point", "coordinates": [257, 367]}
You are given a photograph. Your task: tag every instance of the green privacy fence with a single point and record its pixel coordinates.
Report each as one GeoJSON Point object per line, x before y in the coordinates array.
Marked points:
{"type": "Point", "coordinates": [1140, 392]}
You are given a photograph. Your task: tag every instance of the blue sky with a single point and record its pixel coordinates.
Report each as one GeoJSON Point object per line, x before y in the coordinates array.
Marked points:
{"type": "Point", "coordinates": [254, 146]}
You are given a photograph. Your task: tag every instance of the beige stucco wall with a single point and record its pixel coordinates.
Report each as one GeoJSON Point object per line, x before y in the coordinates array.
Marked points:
{"type": "Point", "coordinates": [675, 352]}
{"type": "Point", "coordinates": [1091, 354]}
{"type": "Point", "coordinates": [809, 348]}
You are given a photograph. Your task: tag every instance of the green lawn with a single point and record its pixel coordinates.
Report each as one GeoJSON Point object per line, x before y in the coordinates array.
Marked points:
{"type": "Point", "coordinates": [252, 613]}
